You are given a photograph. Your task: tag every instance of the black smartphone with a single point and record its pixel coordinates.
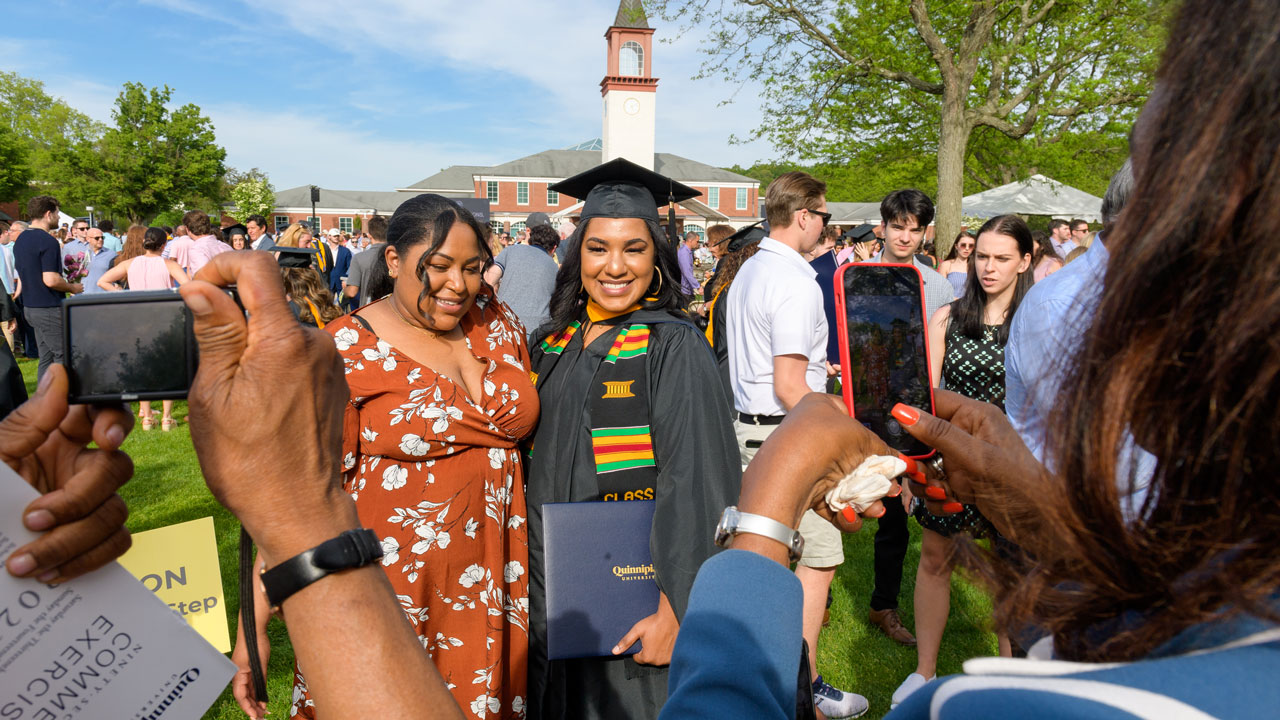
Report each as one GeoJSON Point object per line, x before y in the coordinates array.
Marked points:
{"type": "Point", "coordinates": [128, 346]}
{"type": "Point", "coordinates": [884, 353]}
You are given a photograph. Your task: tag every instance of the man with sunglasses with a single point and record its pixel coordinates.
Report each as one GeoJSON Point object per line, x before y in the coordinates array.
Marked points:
{"type": "Point", "coordinates": [777, 340]}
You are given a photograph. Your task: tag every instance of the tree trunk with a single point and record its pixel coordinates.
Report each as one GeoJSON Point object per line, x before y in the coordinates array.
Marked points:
{"type": "Point", "coordinates": [952, 141]}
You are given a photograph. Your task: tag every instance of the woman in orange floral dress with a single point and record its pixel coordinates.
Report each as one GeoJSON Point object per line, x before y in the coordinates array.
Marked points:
{"type": "Point", "coordinates": [440, 397]}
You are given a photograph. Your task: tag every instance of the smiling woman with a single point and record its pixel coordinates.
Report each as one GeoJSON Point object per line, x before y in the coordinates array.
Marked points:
{"type": "Point", "coordinates": [440, 396]}
{"type": "Point", "coordinates": [633, 408]}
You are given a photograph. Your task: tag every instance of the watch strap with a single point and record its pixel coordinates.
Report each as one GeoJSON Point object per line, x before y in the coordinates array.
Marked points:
{"type": "Point", "coordinates": [734, 522]}
{"type": "Point", "coordinates": [351, 549]}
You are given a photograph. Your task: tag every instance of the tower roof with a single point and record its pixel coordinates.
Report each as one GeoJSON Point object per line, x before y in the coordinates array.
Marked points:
{"type": "Point", "coordinates": [631, 15]}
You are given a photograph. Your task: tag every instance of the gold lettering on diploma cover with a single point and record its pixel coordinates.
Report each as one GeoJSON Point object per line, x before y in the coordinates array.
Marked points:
{"type": "Point", "coordinates": [633, 572]}
{"type": "Point", "coordinates": [617, 389]}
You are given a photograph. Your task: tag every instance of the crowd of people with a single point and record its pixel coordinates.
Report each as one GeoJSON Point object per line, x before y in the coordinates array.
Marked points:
{"type": "Point", "coordinates": [1107, 424]}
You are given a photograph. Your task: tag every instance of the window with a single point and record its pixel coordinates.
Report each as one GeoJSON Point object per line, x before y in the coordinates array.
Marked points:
{"type": "Point", "coordinates": [553, 197]}
{"type": "Point", "coordinates": [315, 224]}
{"type": "Point", "coordinates": [496, 225]}
{"type": "Point", "coordinates": [346, 224]}
{"type": "Point", "coordinates": [491, 190]}
{"type": "Point", "coordinates": [516, 227]}
{"type": "Point", "coordinates": [522, 193]}
{"type": "Point", "coordinates": [631, 59]}
{"type": "Point", "coordinates": [713, 198]}
{"type": "Point", "coordinates": [697, 229]}
{"type": "Point", "coordinates": [742, 198]}
{"type": "Point", "coordinates": [282, 222]}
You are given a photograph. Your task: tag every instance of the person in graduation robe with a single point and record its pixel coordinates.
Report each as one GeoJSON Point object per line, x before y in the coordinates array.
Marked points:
{"type": "Point", "coordinates": [620, 353]}
{"type": "Point", "coordinates": [740, 246]}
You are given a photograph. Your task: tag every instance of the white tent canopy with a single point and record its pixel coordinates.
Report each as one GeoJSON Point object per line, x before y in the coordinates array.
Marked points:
{"type": "Point", "coordinates": [1037, 195]}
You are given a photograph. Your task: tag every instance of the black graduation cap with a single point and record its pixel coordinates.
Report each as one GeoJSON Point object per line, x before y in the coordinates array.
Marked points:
{"type": "Point", "coordinates": [752, 233]}
{"type": "Point", "coordinates": [862, 233]}
{"type": "Point", "coordinates": [292, 257]}
{"type": "Point", "coordinates": [623, 189]}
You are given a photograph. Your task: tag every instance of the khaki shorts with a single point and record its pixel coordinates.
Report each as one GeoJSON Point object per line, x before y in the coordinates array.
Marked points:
{"type": "Point", "coordinates": [823, 543]}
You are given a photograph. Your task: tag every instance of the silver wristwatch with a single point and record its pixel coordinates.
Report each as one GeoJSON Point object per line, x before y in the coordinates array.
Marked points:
{"type": "Point", "coordinates": [734, 521]}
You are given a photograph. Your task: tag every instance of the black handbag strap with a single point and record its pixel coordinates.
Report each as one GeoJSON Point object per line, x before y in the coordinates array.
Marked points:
{"type": "Point", "coordinates": [247, 616]}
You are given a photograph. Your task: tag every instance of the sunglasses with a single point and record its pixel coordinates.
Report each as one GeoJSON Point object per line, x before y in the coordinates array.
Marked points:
{"type": "Point", "coordinates": [826, 216]}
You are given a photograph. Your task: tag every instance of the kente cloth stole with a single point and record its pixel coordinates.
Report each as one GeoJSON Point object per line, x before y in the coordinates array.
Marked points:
{"type": "Point", "coordinates": [621, 437]}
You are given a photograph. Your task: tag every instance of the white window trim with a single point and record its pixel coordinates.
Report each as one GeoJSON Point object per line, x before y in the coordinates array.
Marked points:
{"type": "Point", "coordinates": [497, 190]}
{"type": "Point", "coordinates": [713, 198]}
{"type": "Point", "coordinates": [525, 183]}
{"type": "Point", "coordinates": [639, 53]}
{"type": "Point", "coordinates": [743, 199]}
{"type": "Point", "coordinates": [556, 202]}
{"type": "Point", "coordinates": [351, 224]}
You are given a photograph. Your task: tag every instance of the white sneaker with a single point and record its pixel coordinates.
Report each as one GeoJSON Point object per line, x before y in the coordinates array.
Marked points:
{"type": "Point", "coordinates": [837, 703]}
{"type": "Point", "coordinates": [914, 682]}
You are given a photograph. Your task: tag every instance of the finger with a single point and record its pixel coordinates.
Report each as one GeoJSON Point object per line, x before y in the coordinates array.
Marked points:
{"type": "Point", "coordinates": [846, 520]}
{"type": "Point", "coordinates": [95, 536]}
{"type": "Point", "coordinates": [106, 425]}
{"type": "Point", "coordinates": [932, 431]}
{"type": "Point", "coordinates": [109, 550]}
{"type": "Point", "coordinates": [628, 640]}
{"type": "Point", "coordinates": [26, 428]}
{"type": "Point", "coordinates": [219, 326]}
{"type": "Point", "coordinates": [256, 276]}
{"type": "Point", "coordinates": [95, 481]}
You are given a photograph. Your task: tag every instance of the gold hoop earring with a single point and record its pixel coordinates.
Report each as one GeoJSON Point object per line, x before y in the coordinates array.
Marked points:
{"type": "Point", "coordinates": [657, 271]}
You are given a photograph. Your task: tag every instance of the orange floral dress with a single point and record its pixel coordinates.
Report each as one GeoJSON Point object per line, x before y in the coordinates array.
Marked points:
{"type": "Point", "coordinates": [437, 475]}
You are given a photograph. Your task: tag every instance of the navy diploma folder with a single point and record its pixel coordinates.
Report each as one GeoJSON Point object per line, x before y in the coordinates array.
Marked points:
{"type": "Point", "coordinates": [600, 578]}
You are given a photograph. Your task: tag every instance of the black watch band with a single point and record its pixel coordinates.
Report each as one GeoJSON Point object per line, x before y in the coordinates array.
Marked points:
{"type": "Point", "coordinates": [351, 549]}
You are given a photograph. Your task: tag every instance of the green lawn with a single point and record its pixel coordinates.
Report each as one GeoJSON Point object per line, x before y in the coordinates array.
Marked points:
{"type": "Point", "coordinates": [852, 655]}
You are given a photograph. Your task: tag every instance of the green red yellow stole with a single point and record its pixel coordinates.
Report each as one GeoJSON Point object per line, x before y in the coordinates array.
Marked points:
{"type": "Point", "coordinates": [621, 437]}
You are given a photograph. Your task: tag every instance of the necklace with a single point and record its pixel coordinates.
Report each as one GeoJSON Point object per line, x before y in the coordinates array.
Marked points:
{"type": "Point", "coordinates": [419, 328]}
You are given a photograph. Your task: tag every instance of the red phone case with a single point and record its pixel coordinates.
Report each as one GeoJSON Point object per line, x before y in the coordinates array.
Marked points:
{"type": "Point", "coordinates": [843, 333]}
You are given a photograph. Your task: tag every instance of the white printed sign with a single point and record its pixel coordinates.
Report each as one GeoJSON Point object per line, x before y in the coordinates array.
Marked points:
{"type": "Point", "coordinates": [99, 646]}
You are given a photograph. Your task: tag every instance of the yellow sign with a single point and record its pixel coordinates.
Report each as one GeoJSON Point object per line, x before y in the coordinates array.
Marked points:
{"type": "Point", "coordinates": [179, 563]}
{"type": "Point", "coordinates": [617, 389]}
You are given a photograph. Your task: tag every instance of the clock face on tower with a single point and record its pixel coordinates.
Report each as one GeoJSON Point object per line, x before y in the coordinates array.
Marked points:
{"type": "Point", "coordinates": [631, 106]}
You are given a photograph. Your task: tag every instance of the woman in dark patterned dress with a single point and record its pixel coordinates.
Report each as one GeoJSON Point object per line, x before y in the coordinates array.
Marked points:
{"type": "Point", "coordinates": [966, 346]}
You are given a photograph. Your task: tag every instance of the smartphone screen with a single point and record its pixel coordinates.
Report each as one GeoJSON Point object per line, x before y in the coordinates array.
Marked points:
{"type": "Point", "coordinates": [129, 349]}
{"type": "Point", "coordinates": [884, 355]}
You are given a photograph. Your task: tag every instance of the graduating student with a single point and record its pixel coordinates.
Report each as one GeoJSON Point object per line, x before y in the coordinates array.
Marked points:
{"type": "Point", "coordinates": [618, 323]}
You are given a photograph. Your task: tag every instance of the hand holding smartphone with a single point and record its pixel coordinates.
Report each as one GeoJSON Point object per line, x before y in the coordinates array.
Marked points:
{"type": "Point", "coordinates": [884, 352]}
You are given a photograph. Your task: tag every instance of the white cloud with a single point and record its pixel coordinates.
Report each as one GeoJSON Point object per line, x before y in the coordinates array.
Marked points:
{"type": "Point", "coordinates": [298, 149]}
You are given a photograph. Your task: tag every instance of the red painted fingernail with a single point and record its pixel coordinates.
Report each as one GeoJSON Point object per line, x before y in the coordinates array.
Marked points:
{"type": "Point", "coordinates": [911, 464]}
{"type": "Point", "coordinates": [906, 414]}
{"type": "Point", "coordinates": [935, 493]}
{"type": "Point", "coordinates": [883, 510]}
{"type": "Point", "coordinates": [850, 515]}
{"type": "Point", "coordinates": [918, 477]}
{"type": "Point", "coordinates": [952, 507]}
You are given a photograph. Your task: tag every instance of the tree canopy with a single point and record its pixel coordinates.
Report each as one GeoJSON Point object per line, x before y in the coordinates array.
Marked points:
{"type": "Point", "coordinates": [47, 129]}
{"type": "Point", "coordinates": [983, 88]}
{"type": "Point", "coordinates": [152, 158]}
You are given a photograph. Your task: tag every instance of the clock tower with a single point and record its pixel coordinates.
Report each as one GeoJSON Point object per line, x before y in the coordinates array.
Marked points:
{"type": "Point", "coordinates": [629, 88]}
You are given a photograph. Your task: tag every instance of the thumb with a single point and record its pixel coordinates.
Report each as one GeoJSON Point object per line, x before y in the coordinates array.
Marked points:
{"type": "Point", "coordinates": [628, 640]}
{"type": "Point", "coordinates": [26, 428]}
{"type": "Point", "coordinates": [220, 328]}
{"type": "Point", "coordinates": [934, 432]}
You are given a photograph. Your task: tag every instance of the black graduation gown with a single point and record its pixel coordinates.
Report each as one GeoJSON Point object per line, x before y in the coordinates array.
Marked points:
{"type": "Point", "coordinates": [699, 473]}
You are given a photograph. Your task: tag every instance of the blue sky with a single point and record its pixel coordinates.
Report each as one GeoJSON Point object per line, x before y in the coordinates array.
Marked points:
{"type": "Point", "coordinates": [375, 94]}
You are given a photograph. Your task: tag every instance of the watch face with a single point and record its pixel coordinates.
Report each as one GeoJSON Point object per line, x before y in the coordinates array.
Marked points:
{"type": "Point", "coordinates": [631, 106]}
{"type": "Point", "coordinates": [728, 523]}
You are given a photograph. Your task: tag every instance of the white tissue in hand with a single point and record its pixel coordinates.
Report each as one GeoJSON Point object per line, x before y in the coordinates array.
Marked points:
{"type": "Point", "coordinates": [869, 482]}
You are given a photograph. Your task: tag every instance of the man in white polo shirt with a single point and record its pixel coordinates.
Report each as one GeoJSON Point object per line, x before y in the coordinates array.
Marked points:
{"type": "Point", "coordinates": [777, 339]}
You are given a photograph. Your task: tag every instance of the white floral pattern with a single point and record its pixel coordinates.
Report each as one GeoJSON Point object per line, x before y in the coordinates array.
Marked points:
{"type": "Point", "coordinates": [435, 471]}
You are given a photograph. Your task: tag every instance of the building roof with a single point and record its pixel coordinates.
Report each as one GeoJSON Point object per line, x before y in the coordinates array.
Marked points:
{"type": "Point", "coordinates": [854, 213]}
{"type": "Point", "coordinates": [451, 180]}
{"type": "Point", "coordinates": [384, 203]}
{"type": "Point", "coordinates": [631, 15]}
{"type": "Point", "coordinates": [567, 163]}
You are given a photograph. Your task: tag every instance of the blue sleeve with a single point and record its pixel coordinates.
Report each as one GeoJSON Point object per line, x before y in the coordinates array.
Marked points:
{"type": "Point", "coordinates": [738, 651]}
{"type": "Point", "coordinates": [687, 278]}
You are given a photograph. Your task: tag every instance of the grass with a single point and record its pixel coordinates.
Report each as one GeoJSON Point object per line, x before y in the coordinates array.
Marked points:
{"type": "Point", "coordinates": [852, 655]}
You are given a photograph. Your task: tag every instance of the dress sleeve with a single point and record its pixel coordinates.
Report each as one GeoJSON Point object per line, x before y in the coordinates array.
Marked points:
{"type": "Point", "coordinates": [699, 468]}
